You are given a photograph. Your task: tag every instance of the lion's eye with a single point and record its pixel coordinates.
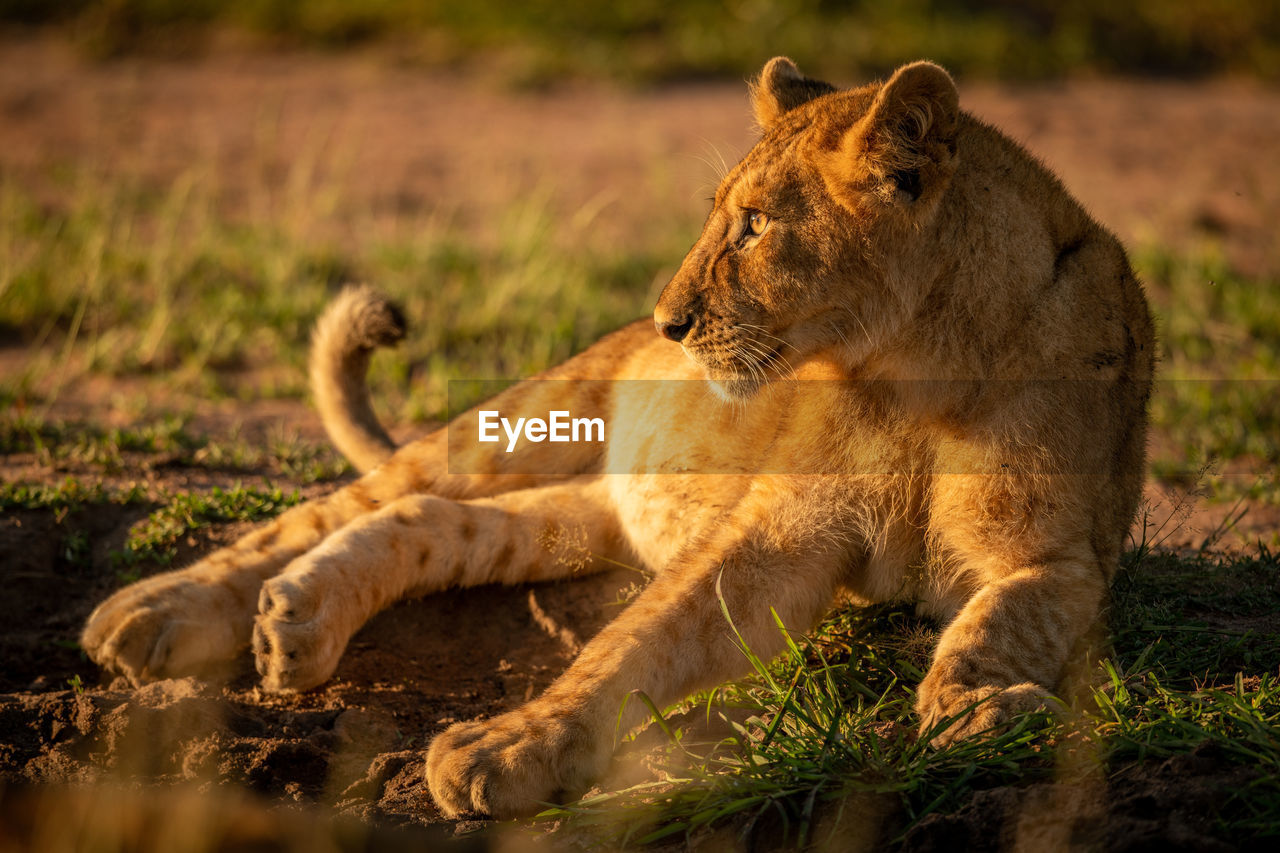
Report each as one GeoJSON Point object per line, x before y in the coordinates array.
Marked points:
{"type": "Point", "coordinates": [757, 222]}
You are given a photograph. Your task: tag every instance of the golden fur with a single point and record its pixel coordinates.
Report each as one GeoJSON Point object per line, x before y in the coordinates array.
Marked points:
{"type": "Point", "coordinates": [930, 370]}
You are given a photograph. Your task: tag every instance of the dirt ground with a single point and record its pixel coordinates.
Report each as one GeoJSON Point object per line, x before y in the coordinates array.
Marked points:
{"type": "Point", "coordinates": [1177, 163]}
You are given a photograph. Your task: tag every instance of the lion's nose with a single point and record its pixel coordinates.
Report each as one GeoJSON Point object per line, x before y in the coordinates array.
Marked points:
{"type": "Point", "coordinates": [674, 330]}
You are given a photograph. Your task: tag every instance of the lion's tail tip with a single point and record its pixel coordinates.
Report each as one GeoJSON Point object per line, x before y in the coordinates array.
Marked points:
{"type": "Point", "coordinates": [357, 322]}
{"type": "Point", "coordinates": [371, 319]}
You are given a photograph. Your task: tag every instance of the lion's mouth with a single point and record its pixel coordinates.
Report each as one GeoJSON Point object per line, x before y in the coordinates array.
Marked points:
{"type": "Point", "coordinates": [737, 374]}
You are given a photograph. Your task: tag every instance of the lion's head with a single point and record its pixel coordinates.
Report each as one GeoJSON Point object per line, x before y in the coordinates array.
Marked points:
{"type": "Point", "coordinates": [815, 239]}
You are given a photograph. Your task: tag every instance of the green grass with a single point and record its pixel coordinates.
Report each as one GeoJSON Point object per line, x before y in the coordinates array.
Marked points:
{"type": "Point", "coordinates": [123, 282]}
{"type": "Point", "coordinates": [54, 442]}
{"type": "Point", "coordinates": [160, 285]}
{"type": "Point", "coordinates": [540, 40]}
{"type": "Point", "coordinates": [99, 453]}
{"type": "Point", "coordinates": [166, 440]}
{"type": "Point", "coordinates": [67, 496]}
{"type": "Point", "coordinates": [154, 540]}
{"type": "Point", "coordinates": [1217, 401]}
{"type": "Point", "coordinates": [832, 717]}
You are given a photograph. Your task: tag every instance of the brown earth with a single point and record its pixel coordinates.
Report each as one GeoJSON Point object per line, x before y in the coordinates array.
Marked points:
{"type": "Point", "coordinates": [353, 747]}
{"type": "Point", "coordinates": [1172, 162]}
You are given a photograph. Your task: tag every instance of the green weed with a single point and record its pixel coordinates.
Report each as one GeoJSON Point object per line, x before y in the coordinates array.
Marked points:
{"type": "Point", "coordinates": [154, 540]}
{"type": "Point", "coordinates": [832, 718]}
{"type": "Point", "coordinates": [70, 495]}
{"type": "Point", "coordinates": [1218, 395]}
{"type": "Point", "coordinates": [285, 454]}
{"type": "Point", "coordinates": [60, 444]}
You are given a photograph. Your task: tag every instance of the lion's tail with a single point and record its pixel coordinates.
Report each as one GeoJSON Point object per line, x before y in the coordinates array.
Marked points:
{"type": "Point", "coordinates": [359, 321]}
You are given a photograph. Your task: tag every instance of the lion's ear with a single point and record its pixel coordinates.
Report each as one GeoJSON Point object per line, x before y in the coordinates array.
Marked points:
{"type": "Point", "coordinates": [907, 140]}
{"type": "Point", "coordinates": [781, 87]}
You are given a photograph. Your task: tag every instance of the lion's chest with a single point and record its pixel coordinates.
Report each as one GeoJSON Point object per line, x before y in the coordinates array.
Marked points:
{"type": "Point", "coordinates": [661, 513]}
{"type": "Point", "coordinates": [681, 465]}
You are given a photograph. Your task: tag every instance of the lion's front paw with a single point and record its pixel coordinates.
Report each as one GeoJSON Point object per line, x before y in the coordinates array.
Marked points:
{"type": "Point", "coordinates": [297, 635]}
{"type": "Point", "coordinates": [512, 765]}
{"type": "Point", "coordinates": [952, 712]}
{"type": "Point", "coordinates": [165, 627]}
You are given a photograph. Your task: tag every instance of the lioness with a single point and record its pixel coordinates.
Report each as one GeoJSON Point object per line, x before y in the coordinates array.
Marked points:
{"type": "Point", "coordinates": [929, 372]}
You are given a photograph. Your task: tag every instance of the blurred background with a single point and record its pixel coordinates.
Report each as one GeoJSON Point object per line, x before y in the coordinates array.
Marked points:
{"type": "Point", "coordinates": [649, 40]}
{"type": "Point", "coordinates": [185, 183]}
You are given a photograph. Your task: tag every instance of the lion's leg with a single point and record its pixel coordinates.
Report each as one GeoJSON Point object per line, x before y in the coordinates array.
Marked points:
{"type": "Point", "coordinates": [181, 622]}
{"type": "Point", "coordinates": [672, 640]}
{"type": "Point", "coordinates": [1009, 646]}
{"type": "Point", "coordinates": [418, 545]}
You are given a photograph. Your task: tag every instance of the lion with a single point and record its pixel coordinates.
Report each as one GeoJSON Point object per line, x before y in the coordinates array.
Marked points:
{"type": "Point", "coordinates": [901, 363]}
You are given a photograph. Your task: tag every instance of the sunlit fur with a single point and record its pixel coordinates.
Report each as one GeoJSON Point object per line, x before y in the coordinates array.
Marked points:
{"type": "Point", "coordinates": [930, 373]}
